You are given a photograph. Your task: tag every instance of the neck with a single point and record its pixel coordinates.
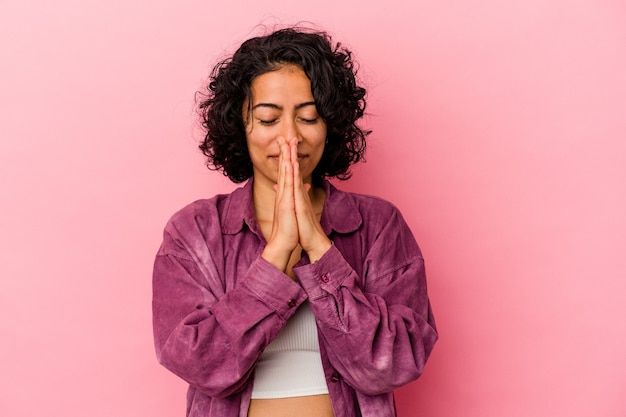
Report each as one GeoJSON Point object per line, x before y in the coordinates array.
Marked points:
{"type": "Point", "coordinates": [264, 197]}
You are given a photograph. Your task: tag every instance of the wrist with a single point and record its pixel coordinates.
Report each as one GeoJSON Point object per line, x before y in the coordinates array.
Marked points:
{"type": "Point", "coordinates": [315, 253]}
{"type": "Point", "coordinates": [276, 256]}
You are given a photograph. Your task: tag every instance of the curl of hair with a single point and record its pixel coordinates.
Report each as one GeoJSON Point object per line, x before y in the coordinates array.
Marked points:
{"type": "Point", "coordinates": [340, 102]}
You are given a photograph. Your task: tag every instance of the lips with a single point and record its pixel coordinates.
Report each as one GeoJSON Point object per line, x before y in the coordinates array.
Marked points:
{"type": "Point", "coordinates": [301, 156]}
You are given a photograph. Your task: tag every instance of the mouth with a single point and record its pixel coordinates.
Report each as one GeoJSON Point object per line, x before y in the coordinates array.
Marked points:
{"type": "Point", "coordinates": [301, 156]}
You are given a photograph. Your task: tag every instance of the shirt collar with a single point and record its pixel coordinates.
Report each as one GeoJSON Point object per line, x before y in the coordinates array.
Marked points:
{"type": "Point", "coordinates": [239, 210]}
{"type": "Point", "coordinates": [340, 212]}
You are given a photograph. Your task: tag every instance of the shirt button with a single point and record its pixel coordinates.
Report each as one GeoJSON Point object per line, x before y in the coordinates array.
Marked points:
{"type": "Point", "coordinates": [334, 377]}
{"type": "Point", "coordinates": [291, 303]}
{"type": "Point", "coordinates": [325, 278]}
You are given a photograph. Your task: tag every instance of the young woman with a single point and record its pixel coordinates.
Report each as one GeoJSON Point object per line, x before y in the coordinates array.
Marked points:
{"type": "Point", "coordinates": [289, 297]}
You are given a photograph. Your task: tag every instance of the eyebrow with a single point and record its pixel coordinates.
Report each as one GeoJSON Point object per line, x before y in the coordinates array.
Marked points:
{"type": "Point", "coordinates": [277, 107]}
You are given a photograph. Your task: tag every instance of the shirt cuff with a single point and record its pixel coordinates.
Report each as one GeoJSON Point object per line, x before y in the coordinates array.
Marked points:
{"type": "Point", "coordinates": [274, 287]}
{"type": "Point", "coordinates": [324, 276]}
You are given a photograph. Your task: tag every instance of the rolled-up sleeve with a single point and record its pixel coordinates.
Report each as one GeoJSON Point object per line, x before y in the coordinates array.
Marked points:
{"type": "Point", "coordinates": [209, 336]}
{"type": "Point", "coordinates": [377, 327]}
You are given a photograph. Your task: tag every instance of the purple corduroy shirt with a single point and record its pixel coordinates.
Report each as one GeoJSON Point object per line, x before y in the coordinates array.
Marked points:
{"type": "Point", "coordinates": [217, 303]}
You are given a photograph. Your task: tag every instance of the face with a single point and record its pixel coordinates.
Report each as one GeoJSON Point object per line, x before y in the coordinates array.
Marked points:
{"type": "Point", "coordinates": [282, 105]}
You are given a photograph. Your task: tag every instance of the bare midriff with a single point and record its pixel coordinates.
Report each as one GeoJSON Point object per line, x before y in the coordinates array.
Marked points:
{"type": "Point", "coordinates": [308, 406]}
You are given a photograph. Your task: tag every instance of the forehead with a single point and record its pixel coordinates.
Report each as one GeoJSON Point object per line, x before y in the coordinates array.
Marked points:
{"type": "Point", "coordinates": [287, 83]}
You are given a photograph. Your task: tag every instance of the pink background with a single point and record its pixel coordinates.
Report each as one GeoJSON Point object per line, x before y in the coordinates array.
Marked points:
{"type": "Point", "coordinates": [498, 131]}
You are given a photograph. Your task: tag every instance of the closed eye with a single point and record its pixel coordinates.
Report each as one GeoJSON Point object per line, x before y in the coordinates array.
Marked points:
{"type": "Point", "coordinates": [265, 122]}
{"type": "Point", "coordinates": [309, 121]}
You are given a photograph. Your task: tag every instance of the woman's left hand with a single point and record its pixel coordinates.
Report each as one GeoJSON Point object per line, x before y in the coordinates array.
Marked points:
{"type": "Point", "coordinates": [312, 237]}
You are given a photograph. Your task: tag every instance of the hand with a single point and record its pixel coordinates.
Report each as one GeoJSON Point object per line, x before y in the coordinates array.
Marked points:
{"type": "Point", "coordinates": [284, 236]}
{"type": "Point", "coordinates": [295, 221]}
{"type": "Point", "coordinates": [310, 233]}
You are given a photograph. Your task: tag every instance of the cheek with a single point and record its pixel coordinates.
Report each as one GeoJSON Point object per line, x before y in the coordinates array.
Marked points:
{"type": "Point", "coordinates": [322, 137]}
{"type": "Point", "coordinates": [254, 151]}
{"type": "Point", "coordinates": [317, 134]}
{"type": "Point", "coordinates": [255, 140]}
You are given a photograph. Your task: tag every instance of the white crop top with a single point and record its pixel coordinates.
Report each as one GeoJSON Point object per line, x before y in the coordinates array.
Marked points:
{"type": "Point", "coordinates": [291, 366]}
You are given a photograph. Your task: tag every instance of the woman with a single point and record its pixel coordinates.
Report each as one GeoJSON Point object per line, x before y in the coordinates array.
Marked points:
{"type": "Point", "coordinates": [289, 297]}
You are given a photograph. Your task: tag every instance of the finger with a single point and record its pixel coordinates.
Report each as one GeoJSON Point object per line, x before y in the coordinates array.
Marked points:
{"type": "Point", "coordinates": [293, 147]}
{"type": "Point", "coordinates": [282, 158]}
{"type": "Point", "coordinates": [289, 168]}
{"type": "Point", "coordinates": [311, 236]}
{"type": "Point", "coordinates": [285, 150]}
{"type": "Point", "coordinates": [287, 173]}
{"type": "Point", "coordinates": [285, 164]}
{"type": "Point", "coordinates": [301, 193]}
{"type": "Point", "coordinates": [301, 188]}
{"type": "Point", "coordinates": [297, 177]}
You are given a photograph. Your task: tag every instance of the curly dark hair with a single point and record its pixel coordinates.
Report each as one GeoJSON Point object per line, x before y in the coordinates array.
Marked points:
{"type": "Point", "coordinates": [340, 102]}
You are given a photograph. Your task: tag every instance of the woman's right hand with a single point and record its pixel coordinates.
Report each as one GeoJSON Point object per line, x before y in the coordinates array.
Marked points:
{"type": "Point", "coordinates": [284, 236]}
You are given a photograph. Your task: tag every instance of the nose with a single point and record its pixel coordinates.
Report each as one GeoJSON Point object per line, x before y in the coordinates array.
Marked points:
{"type": "Point", "coordinates": [290, 130]}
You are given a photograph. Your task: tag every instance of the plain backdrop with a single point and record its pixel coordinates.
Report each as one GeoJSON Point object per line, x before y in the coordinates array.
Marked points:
{"type": "Point", "coordinates": [498, 132]}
